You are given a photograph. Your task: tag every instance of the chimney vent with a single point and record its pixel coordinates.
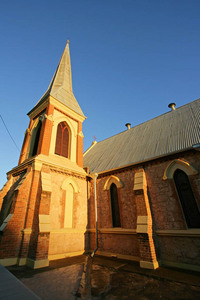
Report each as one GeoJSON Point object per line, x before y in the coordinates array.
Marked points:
{"type": "Point", "coordinates": [172, 106]}
{"type": "Point", "coordinates": [128, 125]}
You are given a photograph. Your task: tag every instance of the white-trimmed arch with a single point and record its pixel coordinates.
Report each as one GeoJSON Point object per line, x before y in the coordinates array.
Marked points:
{"type": "Point", "coordinates": [73, 182]}
{"type": "Point", "coordinates": [72, 126]}
{"type": "Point", "coordinates": [178, 164]}
{"type": "Point", "coordinates": [69, 186]}
{"type": "Point", "coordinates": [64, 118]}
{"type": "Point", "coordinates": [115, 180]}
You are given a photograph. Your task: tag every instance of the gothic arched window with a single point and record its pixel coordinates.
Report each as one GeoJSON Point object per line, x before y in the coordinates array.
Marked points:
{"type": "Point", "coordinates": [188, 202]}
{"type": "Point", "coordinates": [115, 206]}
{"type": "Point", "coordinates": [37, 137]}
{"type": "Point", "coordinates": [62, 140]}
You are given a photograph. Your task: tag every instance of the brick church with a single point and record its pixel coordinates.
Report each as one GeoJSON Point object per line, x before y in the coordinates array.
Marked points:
{"type": "Point", "coordinates": [135, 195]}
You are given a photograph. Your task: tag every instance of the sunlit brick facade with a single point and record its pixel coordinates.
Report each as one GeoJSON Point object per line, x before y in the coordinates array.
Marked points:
{"type": "Point", "coordinates": [147, 209]}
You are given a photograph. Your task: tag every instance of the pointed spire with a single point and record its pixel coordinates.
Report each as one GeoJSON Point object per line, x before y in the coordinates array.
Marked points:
{"type": "Point", "coordinates": [61, 84]}
{"type": "Point", "coordinates": [63, 77]}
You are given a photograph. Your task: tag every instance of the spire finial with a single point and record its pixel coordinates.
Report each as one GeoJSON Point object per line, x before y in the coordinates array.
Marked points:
{"type": "Point", "coordinates": [67, 42]}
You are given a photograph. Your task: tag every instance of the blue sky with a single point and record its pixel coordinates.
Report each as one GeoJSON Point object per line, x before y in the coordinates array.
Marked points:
{"type": "Point", "coordinates": [129, 58]}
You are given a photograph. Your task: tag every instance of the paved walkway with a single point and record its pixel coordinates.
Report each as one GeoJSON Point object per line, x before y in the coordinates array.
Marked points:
{"type": "Point", "coordinates": [110, 279]}
{"type": "Point", "coordinates": [59, 281]}
{"type": "Point", "coordinates": [56, 284]}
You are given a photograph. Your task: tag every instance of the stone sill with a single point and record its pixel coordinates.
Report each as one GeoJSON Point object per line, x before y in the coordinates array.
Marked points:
{"type": "Point", "coordinates": [67, 230]}
{"type": "Point", "coordinates": [114, 230]}
{"type": "Point", "coordinates": [180, 233]}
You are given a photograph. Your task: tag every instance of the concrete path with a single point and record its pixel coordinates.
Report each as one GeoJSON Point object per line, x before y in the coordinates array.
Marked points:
{"type": "Point", "coordinates": [59, 284]}
{"type": "Point", "coordinates": [59, 281]}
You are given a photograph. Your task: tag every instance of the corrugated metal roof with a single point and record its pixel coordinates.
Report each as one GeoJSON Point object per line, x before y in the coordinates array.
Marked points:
{"type": "Point", "coordinates": [171, 132]}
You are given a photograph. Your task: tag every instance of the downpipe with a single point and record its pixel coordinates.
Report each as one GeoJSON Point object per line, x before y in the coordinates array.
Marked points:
{"type": "Point", "coordinates": [94, 176]}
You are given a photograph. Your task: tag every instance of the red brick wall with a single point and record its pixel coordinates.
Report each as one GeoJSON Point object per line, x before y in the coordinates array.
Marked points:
{"type": "Point", "coordinates": [164, 207]}
{"type": "Point", "coordinates": [126, 201]}
{"type": "Point", "coordinates": [180, 249]}
{"type": "Point", "coordinates": [167, 212]}
{"type": "Point", "coordinates": [12, 237]}
{"type": "Point", "coordinates": [125, 244]}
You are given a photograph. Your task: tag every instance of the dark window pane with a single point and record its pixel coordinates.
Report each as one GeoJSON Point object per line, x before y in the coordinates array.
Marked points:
{"type": "Point", "coordinates": [188, 202]}
{"type": "Point", "coordinates": [37, 137]}
{"type": "Point", "coordinates": [62, 140]}
{"type": "Point", "coordinates": [58, 139]}
{"type": "Point", "coordinates": [65, 142]}
{"type": "Point", "coordinates": [115, 206]}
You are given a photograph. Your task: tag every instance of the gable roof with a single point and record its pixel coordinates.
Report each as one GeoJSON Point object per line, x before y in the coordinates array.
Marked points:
{"type": "Point", "coordinates": [61, 85]}
{"type": "Point", "coordinates": [171, 132]}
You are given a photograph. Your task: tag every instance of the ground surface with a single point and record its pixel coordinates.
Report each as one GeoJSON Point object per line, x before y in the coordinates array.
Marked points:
{"type": "Point", "coordinates": [110, 279]}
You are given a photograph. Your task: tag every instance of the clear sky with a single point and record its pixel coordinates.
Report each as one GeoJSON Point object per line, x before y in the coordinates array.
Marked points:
{"type": "Point", "coordinates": [130, 59]}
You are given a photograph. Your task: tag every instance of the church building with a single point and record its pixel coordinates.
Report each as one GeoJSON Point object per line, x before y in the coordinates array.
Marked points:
{"type": "Point", "coordinates": [135, 195]}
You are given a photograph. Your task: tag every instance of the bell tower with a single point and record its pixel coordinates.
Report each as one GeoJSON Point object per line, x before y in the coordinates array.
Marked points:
{"type": "Point", "coordinates": [57, 105]}
{"type": "Point", "coordinates": [44, 201]}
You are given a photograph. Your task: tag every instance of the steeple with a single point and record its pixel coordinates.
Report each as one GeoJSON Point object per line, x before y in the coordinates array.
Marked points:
{"type": "Point", "coordinates": [61, 85]}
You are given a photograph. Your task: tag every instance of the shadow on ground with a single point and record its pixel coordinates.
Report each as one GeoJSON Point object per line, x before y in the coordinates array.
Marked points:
{"type": "Point", "coordinates": [111, 279]}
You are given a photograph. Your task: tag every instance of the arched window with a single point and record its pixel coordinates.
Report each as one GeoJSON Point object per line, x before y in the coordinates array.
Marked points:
{"type": "Point", "coordinates": [186, 196]}
{"type": "Point", "coordinates": [62, 140]}
{"type": "Point", "coordinates": [115, 206]}
{"type": "Point", "coordinates": [37, 137]}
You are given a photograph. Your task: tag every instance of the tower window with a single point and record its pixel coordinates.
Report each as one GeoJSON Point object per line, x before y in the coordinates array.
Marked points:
{"type": "Point", "coordinates": [187, 199]}
{"type": "Point", "coordinates": [37, 137]}
{"type": "Point", "coordinates": [115, 206]}
{"type": "Point", "coordinates": [62, 140]}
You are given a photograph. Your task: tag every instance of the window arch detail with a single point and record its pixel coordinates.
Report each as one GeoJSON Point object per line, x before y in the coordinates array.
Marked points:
{"type": "Point", "coordinates": [116, 222]}
{"type": "Point", "coordinates": [62, 140]}
{"type": "Point", "coordinates": [187, 199]}
{"type": "Point", "coordinates": [115, 180]}
{"type": "Point", "coordinates": [73, 183]}
{"type": "Point", "coordinates": [178, 164]}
